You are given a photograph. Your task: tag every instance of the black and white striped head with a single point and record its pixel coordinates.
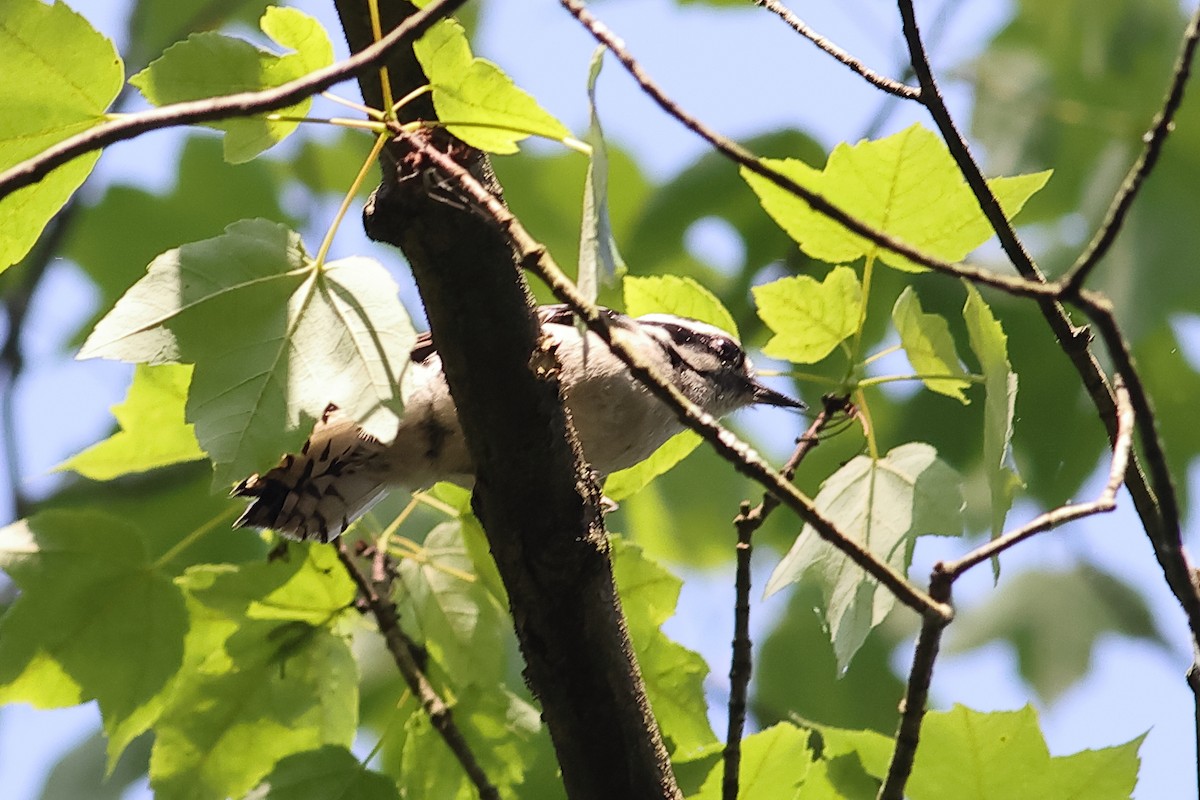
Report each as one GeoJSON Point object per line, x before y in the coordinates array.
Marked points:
{"type": "Point", "coordinates": [709, 365]}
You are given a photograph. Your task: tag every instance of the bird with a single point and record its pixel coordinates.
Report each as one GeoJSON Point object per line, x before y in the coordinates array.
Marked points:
{"type": "Point", "coordinates": [315, 495]}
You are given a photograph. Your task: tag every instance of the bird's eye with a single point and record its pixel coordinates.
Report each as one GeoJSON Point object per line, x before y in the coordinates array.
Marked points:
{"type": "Point", "coordinates": [728, 351]}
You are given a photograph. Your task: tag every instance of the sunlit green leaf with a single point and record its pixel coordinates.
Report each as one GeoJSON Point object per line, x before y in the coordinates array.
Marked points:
{"type": "Point", "coordinates": [275, 339]}
{"type": "Point", "coordinates": [905, 185]}
{"type": "Point", "coordinates": [95, 619]}
{"type": "Point", "coordinates": [490, 111]}
{"type": "Point", "coordinates": [58, 76]}
{"type": "Point", "coordinates": [212, 64]}
{"type": "Point", "coordinates": [153, 432]}
{"type": "Point", "coordinates": [929, 346]}
{"type": "Point", "coordinates": [325, 774]}
{"type": "Point", "coordinates": [773, 766]}
{"type": "Point", "coordinates": [883, 505]}
{"type": "Point", "coordinates": [808, 317]}
{"type": "Point", "coordinates": [990, 346]}
{"type": "Point", "coordinates": [970, 755]}
{"type": "Point", "coordinates": [673, 674]}
{"type": "Point", "coordinates": [265, 675]}
{"type": "Point", "coordinates": [310, 586]}
{"type": "Point", "coordinates": [672, 294]}
{"type": "Point", "coordinates": [628, 482]}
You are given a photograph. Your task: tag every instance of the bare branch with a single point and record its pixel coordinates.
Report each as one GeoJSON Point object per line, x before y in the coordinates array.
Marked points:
{"type": "Point", "coordinates": [888, 85]}
{"type": "Point", "coordinates": [747, 522]}
{"type": "Point", "coordinates": [375, 593]}
{"type": "Point", "coordinates": [740, 155]}
{"type": "Point", "coordinates": [536, 259]}
{"type": "Point", "coordinates": [916, 696]}
{"type": "Point", "coordinates": [235, 105]}
{"type": "Point", "coordinates": [1154, 139]}
{"type": "Point", "coordinates": [1107, 500]}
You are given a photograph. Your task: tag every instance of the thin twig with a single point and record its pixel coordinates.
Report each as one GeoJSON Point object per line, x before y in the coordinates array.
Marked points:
{"type": "Point", "coordinates": [1154, 139]}
{"type": "Point", "coordinates": [1106, 502]}
{"type": "Point", "coordinates": [872, 77]}
{"type": "Point", "coordinates": [535, 258]}
{"type": "Point", "coordinates": [235, 105]}
{"type": "Point", "coordinates": [916, 696]}
{"type": "Point", "coordinates": [747, 522]}
{"type": "Point", "coordinates": [732, 150]}
{"type": "Point", "coordinates": [440, 715]}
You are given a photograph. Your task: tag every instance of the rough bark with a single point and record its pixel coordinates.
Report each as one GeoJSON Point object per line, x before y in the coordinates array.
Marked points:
{"type": "Point", "coordinates": [535, 499]}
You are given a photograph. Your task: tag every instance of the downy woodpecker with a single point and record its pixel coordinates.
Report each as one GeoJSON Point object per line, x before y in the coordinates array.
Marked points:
{"type": "Point", "coordinates": [341, 471]}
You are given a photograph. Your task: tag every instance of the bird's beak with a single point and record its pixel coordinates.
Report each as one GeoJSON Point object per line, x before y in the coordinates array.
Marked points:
{"type": "Point", "coordinates": [768, 396]}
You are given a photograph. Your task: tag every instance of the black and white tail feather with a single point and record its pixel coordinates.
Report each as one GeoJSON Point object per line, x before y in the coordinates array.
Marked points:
{"type": "Point", "coordinates": [341, 471]}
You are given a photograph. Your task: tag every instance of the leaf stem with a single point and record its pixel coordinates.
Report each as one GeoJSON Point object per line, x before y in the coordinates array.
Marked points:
{"type": "Point", "coordinates": [408, 98]}
{"type": "Point", "coordinates": [887, 351]}
{"type": "Point", "coordinates": [343, 122]}
{"type": "Point", "coordinates": [567, 141]}
{"type": "Point", "coordinates": [187, 541]}
{"type": "Point", "coordinates": [860, 401]}
{"type": "Point", "coordinates": [385, 79]}
{"type": "Point", "coordinates": [373, 113]}
{"type": "Point", "coordinates": [970, 377]}
{"type": "Point", "coordinates": [380, 141]}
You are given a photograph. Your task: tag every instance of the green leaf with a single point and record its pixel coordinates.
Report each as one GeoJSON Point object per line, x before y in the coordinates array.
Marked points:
{"type": "Point", "coordinates": [275, 338]}
{"type": "Point", "coordinates": [809, 319]}
{"type": "Point", "coordinates": [211, 65]}
{"type": "Point", "coordinates": [95, 619]}
{"type": "Point", "coordinates": [460, 623]}
{"type": "Point", "coordinates": [883, 505]}
{"type": "Point", "coordinates": [929, 346]}
{"type": "Point", "coordinates": [990, 346]}
{"type": "Point", "coordinates": [628, 482]}
{"type": "Point", "coordinates": [503, 731]}
{"type": "Point", "coordinates": [264, 675]}
{"type": "Point", "coordinates": [312, 588]}
{"type": "Point", "coordinates": [905, 185]}
{"type": "Point", "coordinates": [773, 766]}
{"type": "Point", "coordinates": [598, 255]}
{"type": "Point", "coordinates": [490, 111]}
{"type": "Point", "coordinates": [672, 294]}
{"type": "Point", "coordinates": [1054, 620]}
{"type": "Point", "coordinates": [256, 692]}
{"type": "Point", "coordinates": [58, 76]}
{"type": "Point", "coordinates": [969, 755]}
{"type": "Point", "coordinates": [673, 674]}
{"type": "Point", "coordinates": [325, 774]}
{"type": "Point", "coordinates": [153, 432]}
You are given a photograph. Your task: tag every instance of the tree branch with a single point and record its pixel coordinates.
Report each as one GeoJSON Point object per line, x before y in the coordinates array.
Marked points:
{"type": "Point", "coordinates": [916, 696]}
{"type": "Point", "coordinates": [376, 594]}
{"type": "Point", "coordinates": [243, 104]}
{"type": "Point", "coordinates": [747, 522]}
{"type": "Point", "coordinates": [1164, 123]}
{"type": "Point", "coordinates": [537, 504]}
{"type": "Point", "coordinates": [892, 87]}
